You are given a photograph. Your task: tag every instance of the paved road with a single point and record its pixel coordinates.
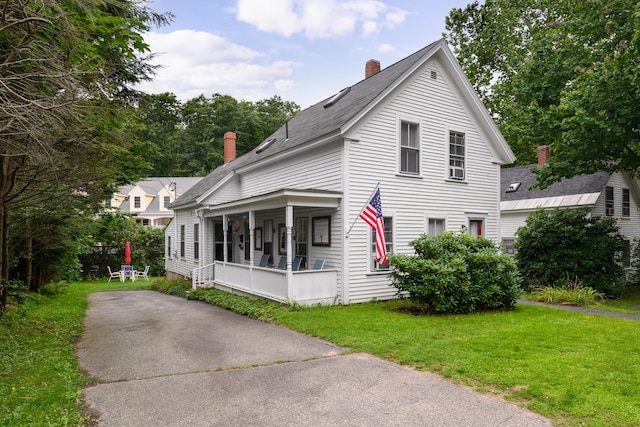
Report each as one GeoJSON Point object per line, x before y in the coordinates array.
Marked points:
{"type": "Point", "coordinates": [165, 361]}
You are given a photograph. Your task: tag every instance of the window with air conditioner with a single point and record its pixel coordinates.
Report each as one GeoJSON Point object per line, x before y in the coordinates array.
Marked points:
{"type": "Point", "coordinates": [456, 155]}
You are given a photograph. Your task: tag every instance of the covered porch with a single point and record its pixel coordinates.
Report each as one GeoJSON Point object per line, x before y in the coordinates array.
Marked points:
{"type": "Point", "coordinates": [271, 245]}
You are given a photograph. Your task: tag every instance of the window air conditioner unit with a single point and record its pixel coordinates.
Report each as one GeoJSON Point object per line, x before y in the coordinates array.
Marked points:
{"type": "Point", "coordinates": [456, 173]}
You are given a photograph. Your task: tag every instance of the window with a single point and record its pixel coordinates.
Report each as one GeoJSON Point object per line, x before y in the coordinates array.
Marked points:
{"type": "Point", "coordinates": [608, 197]}
{"type": "Point", "coordinates": [168, 246]}
{"type": "Point", "coordinates": [626, 203]}
{"type": "Point", "coordinates": [409, 148]}
{"type": "Point", "coordinates": [475, 227]}
{"type": "Point", "coordinates": [182, 241]}
{"type": "Point", "coordinates": [626, 254]}
{"type": "Point", "coordinates": [136, 202]}
{"type": "Point", "coordinates": [456, 155]}
{"type": "Point", "coordinates": [388, 234]}
{"type": "Point", "coordinates": [145, 222]}
{"type": "Point", "coordinates": [435, 226]}
{"type": "Point", "coordinates": [167, 201]}
{"type": "Point", "coordinates": [196, 241]}
{"type": "Point", "coordinates": [508, 246]}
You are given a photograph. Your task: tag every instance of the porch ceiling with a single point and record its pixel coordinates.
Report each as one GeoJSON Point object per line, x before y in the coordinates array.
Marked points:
{"type": "Point", "coordinates": [278, 199]}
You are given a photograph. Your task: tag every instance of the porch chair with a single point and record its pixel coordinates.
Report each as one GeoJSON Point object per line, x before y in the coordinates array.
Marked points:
{"type": "Point", "coordinates": [113, 274]}
{"type": "Point", "coordinates": [297, 261]}
{"type": "Point", "coordinates": [282, 264]}
{"type": "Point", "coordinates": [319, 264]}
{"type": "Point", "coordinates": [265, 260]}
{"type": "Point", "coordinates": [143, 273]}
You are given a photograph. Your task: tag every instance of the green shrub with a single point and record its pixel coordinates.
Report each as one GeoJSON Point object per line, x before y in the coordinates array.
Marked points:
{"type": "Point", "coordinates": [455, 273]}
{"type": "Point", "coordinates": [171, 286]}
{"type": "Point", "coordinates": [561, 243]}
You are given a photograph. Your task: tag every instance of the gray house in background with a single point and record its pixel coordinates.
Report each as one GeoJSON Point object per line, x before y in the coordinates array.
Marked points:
{"type": "Point", "coordinates": [612, 195]}
{"type": "Point", "coordinates": [149, 199]}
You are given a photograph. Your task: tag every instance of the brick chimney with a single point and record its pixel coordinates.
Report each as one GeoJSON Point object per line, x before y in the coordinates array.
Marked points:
{"type": "Point", "coordinates": [544, 153]}
{"type": "Point", "coordinates": [229, 146]}
{"type": "Point", "coordinates": [372, 67]}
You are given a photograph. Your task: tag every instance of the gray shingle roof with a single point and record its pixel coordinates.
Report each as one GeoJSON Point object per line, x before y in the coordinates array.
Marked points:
{"type": "Point", "coordinates": [581, 184]}
{"type": "Point", "coordinates": [315, 121]}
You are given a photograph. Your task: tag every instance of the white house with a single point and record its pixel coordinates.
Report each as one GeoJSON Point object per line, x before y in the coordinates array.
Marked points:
{"type": "Point", "coordinates": [149, 200]}
{"type": "Point", "coordinates": [416, 127]}
{"type": "Point", "coordinates": [613, 195]}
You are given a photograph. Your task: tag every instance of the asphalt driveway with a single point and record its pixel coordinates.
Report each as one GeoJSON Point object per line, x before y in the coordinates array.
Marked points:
{"type": "Point", "coordinates": [166, 361]}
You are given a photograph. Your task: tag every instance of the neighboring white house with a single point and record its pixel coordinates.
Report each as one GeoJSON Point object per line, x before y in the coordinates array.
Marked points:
{"type": "Point", "coordinates": [613, 195]}
{"type": "Point", "coordinates": [149, 199]}
{"type": "Point", "coordinates": [416, 127]}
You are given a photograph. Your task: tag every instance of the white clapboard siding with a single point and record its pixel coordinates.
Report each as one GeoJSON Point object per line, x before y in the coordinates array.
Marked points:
{"type": "Point", "coordinates": [318, 169]}
{"type": "Point", "coordinates": [375, 157]}
{"type": "Point", "coordinates": [629, 226]}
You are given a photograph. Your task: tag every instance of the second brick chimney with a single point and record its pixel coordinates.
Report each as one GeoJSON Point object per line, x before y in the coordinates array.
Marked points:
{"type": "Point", "coordinates": [544, 153]}
{"type": "Point", "coordinates": [229, 146]}
{"type": "Point", "coordinates": [371, 68]}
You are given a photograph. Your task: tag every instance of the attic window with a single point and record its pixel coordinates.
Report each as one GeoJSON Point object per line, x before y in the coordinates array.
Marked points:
{"type": "Point", "coordinates": [513, 187]}
{"type": "Point", "coordinates": [265, 145]}
{"type": "Point", "coordinates": [434, 75]}
{"type": "Point", "coordinates": [337, 97]}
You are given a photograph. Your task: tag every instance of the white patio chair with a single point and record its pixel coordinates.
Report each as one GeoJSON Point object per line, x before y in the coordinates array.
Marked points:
{"type": "Point", "coordinates": [113, 274]}
{"type": "Point", "coordinates": [143, 273]}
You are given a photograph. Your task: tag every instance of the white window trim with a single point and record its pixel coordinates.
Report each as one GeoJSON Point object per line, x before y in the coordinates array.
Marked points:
{"type": "Point", "coordinates": [447, 137]}
{"type": "Point", "coordinates": [416, 121]}
{"type": "Point", "coordinates": [370, 254]}
{"type": "Point", "coordinates": [429, 217]}
{"type": "Point", "coordinates": [477, 218]}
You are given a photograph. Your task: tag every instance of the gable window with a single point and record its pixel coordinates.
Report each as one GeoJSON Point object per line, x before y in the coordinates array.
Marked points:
{"type": "Point", "coordinates": [608, 201]}
{"type": "Point", "coordinates": [167, 201]}
{"type": "Point", "coordinates": [182, 241]}
{"type": "Point", "coordinates": [136, 202]}
{"type": "Point", "coordinates": [456, 155]}
{"type": "Point", "coordinates": [409, 148]}
{"type": "Point", "coordinates": [388, 234]}
{"type": "Point", "coordinates": [435, 226]}
{"type": "Point", "coordinates": [626, 203]}
{"type": "Point", "coordinates": [196, 241]}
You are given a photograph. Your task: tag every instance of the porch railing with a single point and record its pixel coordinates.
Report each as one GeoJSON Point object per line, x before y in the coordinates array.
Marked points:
{"type": "Point", "coordinates": [306, 287]}
{"type": "Point", "coordinates": [203, 275]}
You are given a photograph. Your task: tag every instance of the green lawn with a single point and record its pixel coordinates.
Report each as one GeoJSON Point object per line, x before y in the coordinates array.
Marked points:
{"type": "Point", "coordinates": [575, 369]}
{"type": "Point", "coordinates": [41, 383]}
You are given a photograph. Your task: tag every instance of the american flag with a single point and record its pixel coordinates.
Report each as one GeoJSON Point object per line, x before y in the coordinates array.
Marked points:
{"type": "Point", "coordinates": [372, 215]}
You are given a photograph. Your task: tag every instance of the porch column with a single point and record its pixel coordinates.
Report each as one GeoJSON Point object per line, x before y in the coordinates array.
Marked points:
{"type": "Point", "coordinates": [252, 226]}
{"type": "Point", "coordinates": [225, 226]}
{"type": "Point", "coordinates": [289, 224]}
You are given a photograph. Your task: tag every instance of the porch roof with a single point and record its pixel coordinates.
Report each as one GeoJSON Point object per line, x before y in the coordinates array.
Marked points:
{"type": "Point", "coordinates": [277, 199]}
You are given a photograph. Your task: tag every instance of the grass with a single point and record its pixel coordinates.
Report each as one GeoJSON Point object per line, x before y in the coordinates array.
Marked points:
{"type": "Point", "coordinates": [41, 382]}
{"type": "Point", "coordinates": [576, 369]}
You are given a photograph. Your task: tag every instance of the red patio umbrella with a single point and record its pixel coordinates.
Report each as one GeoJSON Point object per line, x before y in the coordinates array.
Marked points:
{"type": "Point", "coordinates": [127, 253]}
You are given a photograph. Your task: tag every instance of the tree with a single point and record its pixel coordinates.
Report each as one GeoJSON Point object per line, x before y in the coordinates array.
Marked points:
{"type": "Point", "coordinates": [562, 73]}
{"type": "Point", "coordinates": [186, 139]}
{"type": "Point", "coordinates": [65, 71]}
{"type": "Point", "coordinates": [561, 245]}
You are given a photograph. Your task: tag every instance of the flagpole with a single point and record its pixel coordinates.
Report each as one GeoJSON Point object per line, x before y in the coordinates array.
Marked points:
{"type": "Point", "coordinates": [364, 206]}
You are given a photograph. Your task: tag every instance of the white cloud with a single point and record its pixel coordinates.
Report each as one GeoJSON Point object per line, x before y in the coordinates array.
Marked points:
{"type": "Point", "coordinates": [386, 48]}
{"type": "Point", "coordinates": [196, 62]}
{"type": "Point", "coordinates": [319, 18]}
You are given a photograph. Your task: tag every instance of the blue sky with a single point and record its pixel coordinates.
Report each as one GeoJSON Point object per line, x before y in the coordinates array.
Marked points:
{"type": "Point", "coordinates": [302, 50]}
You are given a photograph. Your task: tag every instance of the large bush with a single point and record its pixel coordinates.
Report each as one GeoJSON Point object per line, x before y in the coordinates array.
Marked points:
{"type": "Point", "coordinates": [456, 273]}
{"type": "Point", "coordinates": [567, 244]}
